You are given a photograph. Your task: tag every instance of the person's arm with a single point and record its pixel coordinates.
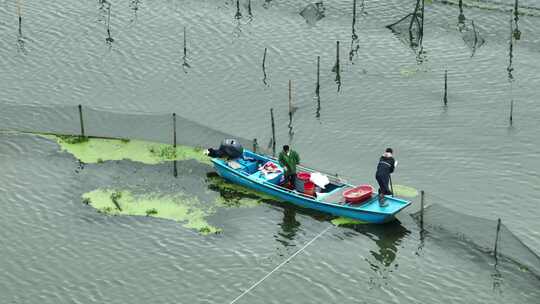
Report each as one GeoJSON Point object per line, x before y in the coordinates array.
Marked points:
{"type": "Point", "coordinates": [393, 167]}
{"type": "Point", "coordinates": [281, 160]}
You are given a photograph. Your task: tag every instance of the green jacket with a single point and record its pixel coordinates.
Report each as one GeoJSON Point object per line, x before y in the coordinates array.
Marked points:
{"type": "Point", "coordinates": [289, 161]}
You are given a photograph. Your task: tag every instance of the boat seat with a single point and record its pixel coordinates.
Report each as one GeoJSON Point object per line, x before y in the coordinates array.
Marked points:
{"type": "Point", "coordinates": [245, 165]}
{"type": "Point", "coordinates": [274, 178]}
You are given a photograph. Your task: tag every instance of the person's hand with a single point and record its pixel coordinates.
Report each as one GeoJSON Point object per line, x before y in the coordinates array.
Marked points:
{"type": "Point", "coordinates": [206, 152]}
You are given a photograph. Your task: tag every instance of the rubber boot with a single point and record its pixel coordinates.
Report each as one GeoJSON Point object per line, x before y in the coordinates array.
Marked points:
{"type": "Point", "coordinates": [382, 202]}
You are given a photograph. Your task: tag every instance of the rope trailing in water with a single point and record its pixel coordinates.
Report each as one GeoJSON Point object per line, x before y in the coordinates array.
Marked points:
{"type": "Point", "coordinates": [279, 266]}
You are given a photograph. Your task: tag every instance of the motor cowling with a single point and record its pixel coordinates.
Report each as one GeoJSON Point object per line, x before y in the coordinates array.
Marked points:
{"type": "Point", "coordinates": [231, 148]}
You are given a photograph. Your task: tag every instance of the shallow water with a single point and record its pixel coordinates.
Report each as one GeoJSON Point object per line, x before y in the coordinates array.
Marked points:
{"type": "Point", "coordinates": [57, 250]}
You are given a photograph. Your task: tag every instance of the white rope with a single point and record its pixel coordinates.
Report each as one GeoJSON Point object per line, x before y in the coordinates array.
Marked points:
{"type": "Point", "coordinates": [279, 266]}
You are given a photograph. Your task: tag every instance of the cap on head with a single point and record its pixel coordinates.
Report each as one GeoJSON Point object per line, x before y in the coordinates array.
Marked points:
{"type": "Point", "coordinates": [389, 150]}
{"type": "Point", "coordinates": [286, 148]}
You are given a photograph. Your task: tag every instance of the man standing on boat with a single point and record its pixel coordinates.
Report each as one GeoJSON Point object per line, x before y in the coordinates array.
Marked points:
{"type": "Point", "coordinates": [288, 159]}
{"type": "Point", "coordinates": [386, 166]}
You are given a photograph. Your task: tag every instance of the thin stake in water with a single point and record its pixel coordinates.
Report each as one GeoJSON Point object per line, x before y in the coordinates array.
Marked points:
{"type": "Point", "coordinates": [354, 37]}
{"type": "Point", "coordinates": [20, 16]}
{"type": "Point", "coordinates": [517, 32]}
{"type": "Point", "coordinates": [421, 210]}
{"type": "Point", "coordinates": [238, 15]}
{"type": "Point", "coordinates": [175, 169]}
{"type": "Point", "coordinates": [264, 67]}
{"type": "Point", "coordinates": [185, 64]}
{"type": "Point", "coordinates": [337, 69]}
{"type": "Point", "coordinates": [318, 88]}
{"type": "Point", "coordinates": [511, 111]}
{"type": "Point", "coordinates": [20, 38]}
{"type": "Point", "coordinates": [510, 68]}
{"type": "Point", "coordinates": [109, 39]}
{"type": "Point", "coordinates": [291, 111]}
{"type": "Point", "coordinates": [497, 238]}
{"type": "Point", "coordinates": [81, 120]}
{"type": "Point", "coordinates": [461, 17]}
{"type": "Point", "coordinates": [445, 87]}
{"type": "Point", "coordinates": [249, 10]}
{"type": "Point", "coordinates": [273, 132]}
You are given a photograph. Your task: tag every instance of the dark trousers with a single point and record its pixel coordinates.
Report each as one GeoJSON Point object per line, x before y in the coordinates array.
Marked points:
{"type": "Point", "coordinates": [383, 180]}
{"type": "Point", "coordinates": [290, 180]}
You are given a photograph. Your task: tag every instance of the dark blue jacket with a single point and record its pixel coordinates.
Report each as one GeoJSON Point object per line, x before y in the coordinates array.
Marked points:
{"type": "Point", "coordinates": [386, 165]}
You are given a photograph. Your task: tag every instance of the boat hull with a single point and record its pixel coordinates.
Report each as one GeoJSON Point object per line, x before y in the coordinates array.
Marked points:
{"type": "Point", "coordinates": [301, 200]}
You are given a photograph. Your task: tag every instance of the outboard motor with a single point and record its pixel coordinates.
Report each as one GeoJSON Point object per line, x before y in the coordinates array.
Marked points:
{"type": "Point", "coordinates": [231, 148]}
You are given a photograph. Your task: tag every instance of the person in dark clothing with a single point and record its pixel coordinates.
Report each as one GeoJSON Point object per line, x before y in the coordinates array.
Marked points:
{"type": "Point", "coordinates": [386, 166]}
{"type": "Point", "coordinates": [288, 159]}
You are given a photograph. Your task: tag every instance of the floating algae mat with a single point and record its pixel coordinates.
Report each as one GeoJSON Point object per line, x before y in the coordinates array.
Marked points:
{"type": "Point", "coordinates": [178, 207]}
{"type": "Point", "coordinates": [233, 195]}
{"type": "Point", "coordinates": [96, 150]}
{"type": "Point", "coordinates": [404, 191]}
{"type": "Point", "coordinates": [343, 221]}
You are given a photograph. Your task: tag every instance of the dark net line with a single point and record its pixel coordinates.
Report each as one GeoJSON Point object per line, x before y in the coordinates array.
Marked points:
{"type": "Point", "coordinates": [484, 234]}
{"type": "Point", "coordinates": [410, 29]}
{"type": "Point", "coordinates": [105, 123]}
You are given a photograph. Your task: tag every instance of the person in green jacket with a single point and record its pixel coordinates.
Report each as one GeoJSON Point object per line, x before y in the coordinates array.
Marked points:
{"type": "Point", "coordinates": [288, 159]}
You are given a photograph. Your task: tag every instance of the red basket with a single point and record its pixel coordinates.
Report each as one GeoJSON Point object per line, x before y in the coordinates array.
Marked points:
{"type": "Point", "coordinates": [304, 176]}
{"type": "Point", "coordinates": [358, 194]}
{"type": "Point", "coordinates": [309, 189]}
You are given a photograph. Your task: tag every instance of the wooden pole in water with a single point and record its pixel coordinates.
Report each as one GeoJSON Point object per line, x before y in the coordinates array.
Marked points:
{"type": "Point", "coordinates": [238, 14]}
{"type": "Point", "coordinates": [290, 102]}
{"type": "Point", "coordinates": [511, 111]}
{"type": "Point", "coordinates": [445, 87]}
{"type": "Point", "coordinates": [354, 36]}
{"type": "Point", "coordinates": [273, 132]}
{"type": "Point", "coordinates": [264, 59]}
{"type": "Point", "coordinates": [497, 237]}
{"type": "Point", "coordinates": [422, 210]}
{"type": "Point", "coordinates": [185, 47]}
{"type": "Point", "coordinates": [175, 168]}
{"type": "Point", "coordinates": [81, 120]}
{"type": "Point", "coordinates": [422, 24]}
{"type": "Point", "coordinates": [20, 16]}
{"type": "Point", "coordinates": [337, 56]}
{"type": "Point", "coordinates": [317, 88]}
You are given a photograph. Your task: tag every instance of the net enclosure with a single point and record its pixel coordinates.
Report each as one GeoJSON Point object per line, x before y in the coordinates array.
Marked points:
{"type": "Point", "coordinates": [95, 122]}
{"type": "Point", "coordinates": [491, 237]}
{"type": "Point", "coordinates": [410, 29]}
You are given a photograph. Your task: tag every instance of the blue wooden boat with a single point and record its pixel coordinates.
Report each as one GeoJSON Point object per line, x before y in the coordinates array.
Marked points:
{"type": "Point", "coordinates": [245, 171]}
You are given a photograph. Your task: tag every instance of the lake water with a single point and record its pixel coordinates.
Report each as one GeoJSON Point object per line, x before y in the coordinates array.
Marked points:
{"type": "Point", "coordinates": [54, 249]}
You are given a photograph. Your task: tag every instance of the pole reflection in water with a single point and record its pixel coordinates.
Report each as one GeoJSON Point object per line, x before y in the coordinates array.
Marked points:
{"type": "Point", "coordinates": [461, 17]}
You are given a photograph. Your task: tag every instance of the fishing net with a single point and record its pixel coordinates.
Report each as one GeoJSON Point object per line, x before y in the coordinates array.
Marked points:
{"type": "Point", "coordinates": [313, 12]}
{"type": "Point", "coordinates": [410, 29]}
{"type": "Point", "coordinates": [481, 233]}
{"type": "Point", "coordinates": [471, 36]}
{"type": "Point", "coordinates": [66, 120]}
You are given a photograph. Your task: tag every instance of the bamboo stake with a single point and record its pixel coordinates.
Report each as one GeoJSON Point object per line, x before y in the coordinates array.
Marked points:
{"type": "Point", "coordinates": [81, 120]}
{"type": "Point", "coordinates": [175, 169]}
{"type": "Point", "coordinates": [273, 132]}
{"type": "Point", "coordinates": [445, 87]}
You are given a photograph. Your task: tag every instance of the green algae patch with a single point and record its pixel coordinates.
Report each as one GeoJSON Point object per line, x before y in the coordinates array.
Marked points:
{"type": "Point", "coordinates": [233, 195]}
{"type": "Point", "coordinates": [98, 150]}
{"type": "Point", "coordinates": [179, 207]}
{"type": "Point", "coordinates": [404, 191]}
{"type": "Point", "coordinates": [343, 221]}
